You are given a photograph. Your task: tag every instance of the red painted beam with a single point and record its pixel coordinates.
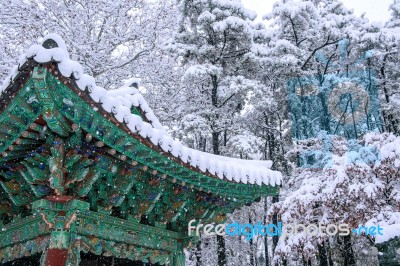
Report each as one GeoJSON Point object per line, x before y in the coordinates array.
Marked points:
{"type": "Point", "coordinates": [56, 257]}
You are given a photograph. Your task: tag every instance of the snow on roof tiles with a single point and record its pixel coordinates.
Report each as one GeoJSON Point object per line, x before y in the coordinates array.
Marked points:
{"type": "Point", "coordinates": [119, 102]}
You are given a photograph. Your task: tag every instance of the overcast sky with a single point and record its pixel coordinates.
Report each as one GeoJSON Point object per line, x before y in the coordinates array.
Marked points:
{"type": "Point", "coordinates": [376, 10]}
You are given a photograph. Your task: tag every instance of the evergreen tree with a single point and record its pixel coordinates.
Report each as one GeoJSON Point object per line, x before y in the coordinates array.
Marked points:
{"type": "Point", "coordinates": [215, 41]}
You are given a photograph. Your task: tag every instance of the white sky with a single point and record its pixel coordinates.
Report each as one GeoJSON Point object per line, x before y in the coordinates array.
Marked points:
{"type": "Point", "coordinates": [376, 10]}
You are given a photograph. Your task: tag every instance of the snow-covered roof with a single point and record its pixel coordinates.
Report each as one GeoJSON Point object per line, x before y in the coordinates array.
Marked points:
{"type": "Point", "coordinates": [119, 102]}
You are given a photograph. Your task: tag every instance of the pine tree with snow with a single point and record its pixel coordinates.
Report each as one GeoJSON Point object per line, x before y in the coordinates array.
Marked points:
{"type": "Point", "coordinates": [215, 44]}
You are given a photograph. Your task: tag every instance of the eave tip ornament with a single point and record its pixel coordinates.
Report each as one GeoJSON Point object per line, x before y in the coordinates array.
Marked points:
{"type": "Point", "coordinates": [53, 40]}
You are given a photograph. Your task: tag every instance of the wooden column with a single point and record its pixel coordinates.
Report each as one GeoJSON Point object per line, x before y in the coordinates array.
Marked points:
{"type": "Point", "coordinates": [178, 259]}
{"type": "Point", "coordinates": [57, 252]}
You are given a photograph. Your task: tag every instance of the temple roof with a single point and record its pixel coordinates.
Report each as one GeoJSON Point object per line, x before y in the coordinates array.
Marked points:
{"type": "Point", "coordinates": [62, 137]}
{"type": "Point", "coordinates": [119, 103]}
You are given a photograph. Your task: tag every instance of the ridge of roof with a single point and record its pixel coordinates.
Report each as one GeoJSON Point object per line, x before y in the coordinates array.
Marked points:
{"type": "Point", "coordinates": [119, 102]}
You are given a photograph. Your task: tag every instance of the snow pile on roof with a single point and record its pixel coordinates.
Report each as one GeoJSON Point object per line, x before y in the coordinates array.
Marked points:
{"type": "Point", "coordinates": [119, 102]}
{"type": "Point", "coordinates": [388, 232]}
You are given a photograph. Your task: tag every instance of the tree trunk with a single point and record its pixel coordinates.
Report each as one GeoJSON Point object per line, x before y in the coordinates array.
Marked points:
{"type": "Point", "coordinates": [323, 258]}
{"type": "Point", "coordinates": [325, 117]}
{"type": "Point", "coordinates": [348, 254]}
{"type": "Point", "coordinates": [198, 253]}
{"type": "Point", "coordinates": [391, 126]}
{"type": "Point", "coordinates": [265, 237]}
{"type": "Point", "coordinates": [251, 245]}
{"type": "Point", "coordinates": [221, 251]}
{"type": "Point", "coordinates": [215, 142]}
{"type": "Point", "coordinates": [329, 254]}
{"type": "Point", "coordinates": [215, 145]}
{"type": "Point", "coordinates": [275, 239]}
{"type": "Point", "coordinates": [306, 262]}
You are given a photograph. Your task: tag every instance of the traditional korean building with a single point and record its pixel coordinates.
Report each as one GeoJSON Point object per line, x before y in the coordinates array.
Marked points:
{"type": "Point", "coordinates": [89, 171]}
